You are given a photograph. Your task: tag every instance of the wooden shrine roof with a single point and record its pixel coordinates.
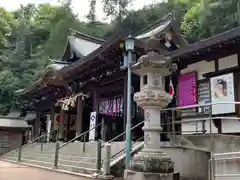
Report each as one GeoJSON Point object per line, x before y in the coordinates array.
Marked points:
{"type": "Point", "coordinates": [82, 51]}
{"type": "Point", "coordinates": [13, 120]}
{"type": "Point", "coordinates": [201, 50]}
{"type": "Point", "coordinates": [114, 42]}
{"type": "Point", "coordinates": [48, 77]}
{"type": "Point", "coordinates": [161, 27]}
{"type": "Point", "coordinates": [79, 45]}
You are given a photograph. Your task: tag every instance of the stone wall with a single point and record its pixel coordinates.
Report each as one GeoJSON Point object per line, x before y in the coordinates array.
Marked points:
{"type": "Point", "coordinates": [192, 164]}
{"type": "Point", "coordinates": [218, 143]}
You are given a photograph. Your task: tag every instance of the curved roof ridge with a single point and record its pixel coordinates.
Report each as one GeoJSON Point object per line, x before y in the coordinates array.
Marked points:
{"type": "Point", "coordinates": [156, 24]}
{"type": "Point", "coordinates": [86, 36]}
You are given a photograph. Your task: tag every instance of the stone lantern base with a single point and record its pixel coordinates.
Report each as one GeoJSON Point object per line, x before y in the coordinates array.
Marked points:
{"type": "Point", "coordinates": [152, 161]}
{"type": "Point", "coordinates": [151, 165]}
{"type": "Point", "coordinates": [134, 175]}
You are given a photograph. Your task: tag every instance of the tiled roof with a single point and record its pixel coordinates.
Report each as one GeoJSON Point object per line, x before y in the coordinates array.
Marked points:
{"type": "Point", "coordinates": [13, 122]}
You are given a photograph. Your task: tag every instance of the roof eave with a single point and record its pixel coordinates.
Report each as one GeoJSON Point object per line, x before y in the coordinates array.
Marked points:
{"type": "Point", "coordinates": [206, 43]}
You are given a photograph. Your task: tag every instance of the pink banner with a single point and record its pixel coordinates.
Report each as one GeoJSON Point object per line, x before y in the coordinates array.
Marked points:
{"type": "Point", "coordinates": [187, 89]}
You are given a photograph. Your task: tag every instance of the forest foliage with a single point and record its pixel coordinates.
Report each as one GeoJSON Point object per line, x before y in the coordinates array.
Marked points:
{"type": "Point", "coordinates": [32, 36]}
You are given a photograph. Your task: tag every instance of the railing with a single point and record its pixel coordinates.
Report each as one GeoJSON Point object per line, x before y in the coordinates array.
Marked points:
{"type": "Point", "coordinates": [170, 131]}
{"type": "Point", "coordinates": [105, 169]}
{"type": "Point", "coordinates": [123, 149]}
{"type": "Point", "coordinates": [204, 117]}
{"type": "Point", "coordinates": [224, 166]}
{"type": "Point", "coordinates": [42, 139]}
{"type": "Point", "coordinates": [99, 163]}
{"type": "Point", "coordinates": [84, 134]}
{"type": "Point", "coordinates": [122, 134]}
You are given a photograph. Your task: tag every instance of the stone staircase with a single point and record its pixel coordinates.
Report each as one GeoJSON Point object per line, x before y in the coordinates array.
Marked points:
{"type": "Point", "coordinates": [71, 158]}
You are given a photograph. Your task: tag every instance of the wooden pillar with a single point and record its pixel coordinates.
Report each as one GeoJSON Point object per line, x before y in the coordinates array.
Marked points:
{"type": "Point", "coordinates": [53, 123]}
{"type": "Point", "coordinates": [79, 121]}
{"type": "Point", "coordinates": [96, 109]}
{"type": "Point", "coordinates": [61, 125]}
{"type": "Point", "coordinates": [67, 127]}
{"type": "Point", "coordinates": [125, 106]}
{"type": "Point", "coordinates": [37, 125]}
{"type": "Point", "coordinates": [95, 101]}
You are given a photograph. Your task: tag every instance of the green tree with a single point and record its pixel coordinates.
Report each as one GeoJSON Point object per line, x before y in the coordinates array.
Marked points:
{"type": "Point", "coordinates": [7, 86]}
{"type": "Point", "coordinates": [6, 23]}
{"type": "Point", "coordinates": [214, 17]}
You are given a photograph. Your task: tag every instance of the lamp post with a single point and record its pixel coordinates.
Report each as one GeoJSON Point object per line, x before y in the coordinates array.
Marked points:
{"type": "Point", "coordinates": [129, 46]}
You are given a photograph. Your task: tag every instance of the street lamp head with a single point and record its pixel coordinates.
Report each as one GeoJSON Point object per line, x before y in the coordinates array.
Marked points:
{"type": "Point", "coordinates": [129, 43]}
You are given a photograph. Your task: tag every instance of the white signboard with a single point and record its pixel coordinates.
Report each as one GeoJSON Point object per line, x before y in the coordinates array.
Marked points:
{"type": "Point", "coordinates": [93, 117]}
{"type": "Point", "coordinates": [222, 90]}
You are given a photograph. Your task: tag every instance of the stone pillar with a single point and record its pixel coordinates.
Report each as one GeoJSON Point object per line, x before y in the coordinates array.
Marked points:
{"type": "Point", "coordinates": [152, 162]}
{"type": "Point", "coordinates": [79, 120]}
{"type": "Point", "coordinates": [61, 126]}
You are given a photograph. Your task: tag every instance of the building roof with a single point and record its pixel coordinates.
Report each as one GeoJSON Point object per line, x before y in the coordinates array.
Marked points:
{"type": "Point", "coordinates": [80, 45]}
{"type": "Point", "coordinates": [156, 28]}
{"type": "Point", "coordinates": [13, 120]}
{"type": "Point", "coordinates": [193, 49]}
{"type": "Point", "coordinates": [48, 75]}
{"type": "Point", "coordinates": [161, 27]}
{"type": "Point", "coordinates": [82, 48]}
{"type": "Point", "coordinates": [108, 44]}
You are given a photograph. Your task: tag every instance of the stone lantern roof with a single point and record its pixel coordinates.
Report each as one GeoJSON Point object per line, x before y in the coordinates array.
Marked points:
{"type": "Point", "coordinates": [154, 62]}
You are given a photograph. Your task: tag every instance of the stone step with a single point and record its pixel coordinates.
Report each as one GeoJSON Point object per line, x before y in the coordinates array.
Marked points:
{"type": "Point", "coordinates": [63, 154]}
{"type": "Point", "coordinates": [87, 164]}
{"type": "Point", "coordinates": [38, 163]}
{"type": "Point", "coordinates": [69, 151]}
{"type": "Point", "coordinates": [69, 161]}
{"type": "Point", "coordinates": [77, 169]}
{"type": "Point", "coordinates": [11, 158]}
{"type": "Point", "coordinates": [32, 155]}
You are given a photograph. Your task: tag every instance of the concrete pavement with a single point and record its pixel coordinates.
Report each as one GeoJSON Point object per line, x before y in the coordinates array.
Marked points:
{"type": "Point", "coordinates": [10, 171]}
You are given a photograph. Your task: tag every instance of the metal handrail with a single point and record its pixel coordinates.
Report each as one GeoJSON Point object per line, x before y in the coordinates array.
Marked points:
{"type": "Point", "coordinates": [39, 137]}
{"type": "Point", "coordinates": [215, 158]}
{"type": "Point", "coordinates": [198, 105]}
{"type": "Point", "coordinates": [29, 143]}
{"type": "Point", "coordinates": [116, 137]}
{"type": "Point", "coordinates": [228, 153]}
{"type": "Point", "coordinates": [79, 136]}
{"type": "Point", "coordinates": [122, 150]}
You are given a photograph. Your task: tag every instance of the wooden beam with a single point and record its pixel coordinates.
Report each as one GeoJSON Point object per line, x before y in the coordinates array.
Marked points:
{"type": "Point", "coordinates": [116, 76]}
{"type": "Point", "coordinates": [212, 55]}
{"type": "Point", "coordinates": [221, 72]}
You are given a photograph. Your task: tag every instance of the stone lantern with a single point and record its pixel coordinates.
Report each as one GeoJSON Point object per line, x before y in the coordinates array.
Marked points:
{"type": "Point", "coordinates": [152, 162]}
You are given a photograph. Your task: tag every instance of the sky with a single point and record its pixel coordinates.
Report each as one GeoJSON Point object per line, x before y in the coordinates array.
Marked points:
{"type": "Point", "coordinates": [80, 7]}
